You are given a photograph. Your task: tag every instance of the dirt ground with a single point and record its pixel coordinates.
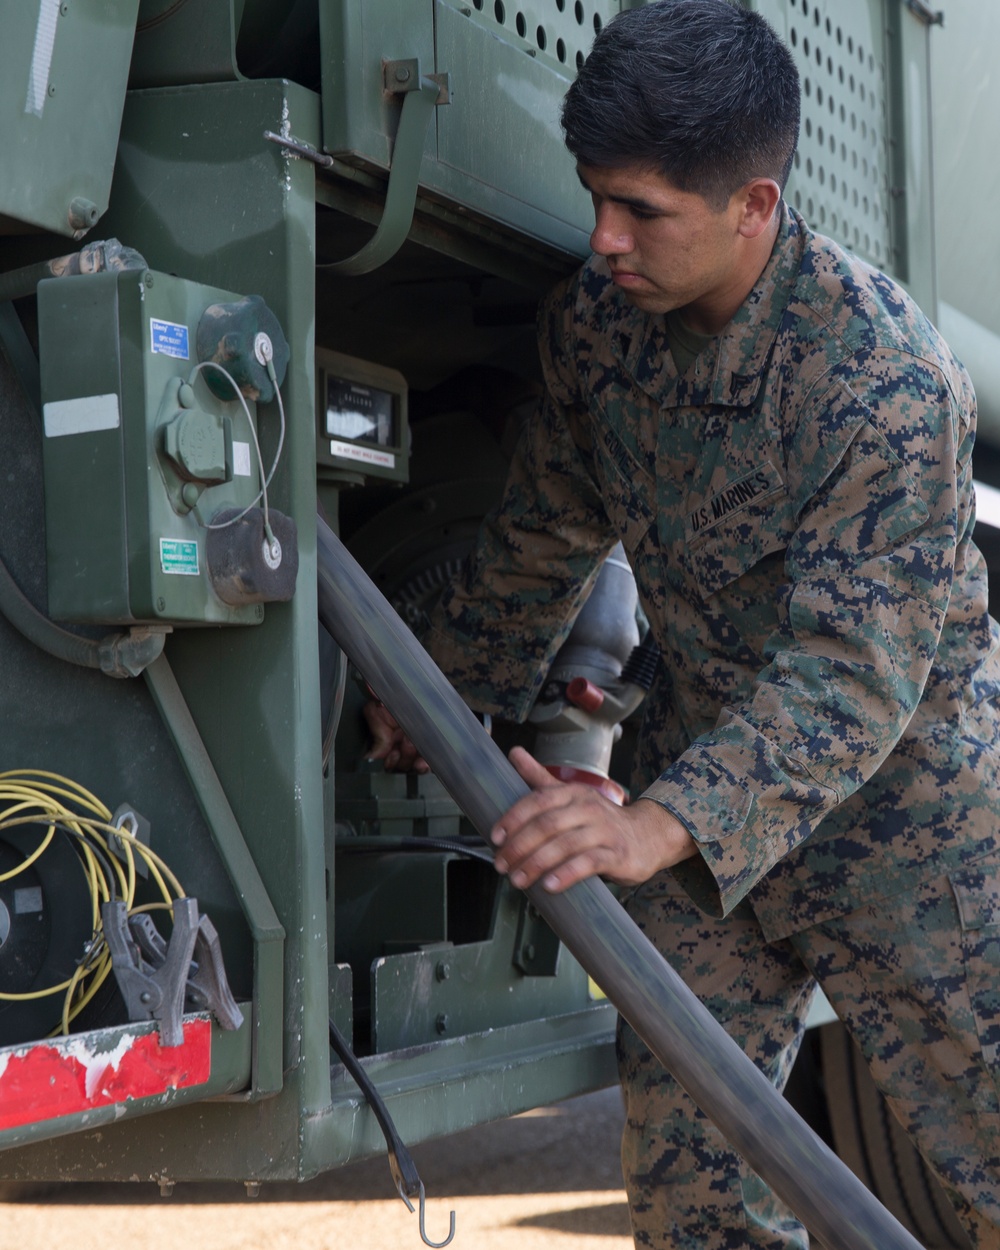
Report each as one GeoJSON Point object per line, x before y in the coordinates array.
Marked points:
{"type": "Point", "coordinates": [546, 1180]}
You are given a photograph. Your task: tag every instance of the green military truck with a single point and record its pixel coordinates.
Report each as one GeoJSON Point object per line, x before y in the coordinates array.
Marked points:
{"type": "Point", "coordinates": [268, 260]}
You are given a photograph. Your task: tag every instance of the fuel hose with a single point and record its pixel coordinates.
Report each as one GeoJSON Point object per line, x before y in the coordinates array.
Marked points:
{"type": "Point", "coordinates": [679, 1030]}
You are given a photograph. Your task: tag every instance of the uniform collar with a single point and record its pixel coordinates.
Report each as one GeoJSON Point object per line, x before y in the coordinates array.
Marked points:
{"type": "Point", "coordinates": [730, 374]}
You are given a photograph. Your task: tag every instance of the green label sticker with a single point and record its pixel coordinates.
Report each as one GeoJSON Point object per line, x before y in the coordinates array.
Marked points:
{"type": "Point", "coordinates": [178, 555]}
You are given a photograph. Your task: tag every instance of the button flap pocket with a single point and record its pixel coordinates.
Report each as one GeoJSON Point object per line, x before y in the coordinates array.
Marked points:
{"type": "Point", "coordinates": [977, 893]}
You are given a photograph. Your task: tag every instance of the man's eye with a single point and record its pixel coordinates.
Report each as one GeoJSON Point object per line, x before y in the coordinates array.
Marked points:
{"type": "Point", "coordinates": [640, 215]}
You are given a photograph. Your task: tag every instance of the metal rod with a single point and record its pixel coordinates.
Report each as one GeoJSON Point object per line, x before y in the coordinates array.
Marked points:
{"type": "Point", "coordinates": [300, 149]}
{"type": "Point", "coordinates": [674, 1024]}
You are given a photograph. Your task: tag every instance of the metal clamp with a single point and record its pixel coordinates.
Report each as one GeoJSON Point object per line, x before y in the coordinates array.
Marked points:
{"type": "Point", "coordinates": [152, 992]}
{"type": "Point", "coordinates": [207, 986]}
{"type": "Point", "coordinates": [156, 977]}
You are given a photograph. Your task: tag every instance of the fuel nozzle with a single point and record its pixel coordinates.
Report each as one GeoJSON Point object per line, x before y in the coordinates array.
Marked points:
{"type": "Point", "coordinates": [599, 677]}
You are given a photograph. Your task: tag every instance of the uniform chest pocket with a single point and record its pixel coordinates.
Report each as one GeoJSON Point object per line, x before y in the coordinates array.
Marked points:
{"type": "Point", "coordinates": [737, 529]}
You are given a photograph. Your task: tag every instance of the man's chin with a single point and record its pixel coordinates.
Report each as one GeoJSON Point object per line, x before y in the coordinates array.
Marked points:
{"type": "Point", "coordinates": [647, 301]}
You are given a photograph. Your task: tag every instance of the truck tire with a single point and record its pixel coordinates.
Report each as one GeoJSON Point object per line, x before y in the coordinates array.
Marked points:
{"type": "Point", "coordinates": [869, 1139]}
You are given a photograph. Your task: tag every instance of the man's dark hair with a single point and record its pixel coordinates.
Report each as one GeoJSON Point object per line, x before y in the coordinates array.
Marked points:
{"type": "Point", "coordinates": [701, 91]}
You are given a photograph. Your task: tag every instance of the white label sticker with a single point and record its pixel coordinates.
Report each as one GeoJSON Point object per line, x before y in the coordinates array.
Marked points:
{"type": "Point", "coordinates": [179, 555]}
{"type": "Point", "coordinates": [241, 459]}
{"type": "Point", "coordinates": [366, 455]}
{"type": "Point", "coordinates": [85, 415]}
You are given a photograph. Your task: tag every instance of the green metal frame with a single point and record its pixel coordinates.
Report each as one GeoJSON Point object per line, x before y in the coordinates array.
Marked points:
{"type": "Point", "coordinates": [496, 150]}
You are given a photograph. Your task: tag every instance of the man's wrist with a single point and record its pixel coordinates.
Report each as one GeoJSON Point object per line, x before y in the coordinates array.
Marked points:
{"type": "Point", "coordinates": [674, 837]}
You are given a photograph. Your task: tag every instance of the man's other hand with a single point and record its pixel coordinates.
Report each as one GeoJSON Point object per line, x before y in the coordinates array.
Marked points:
{"type": "Point", "coordinates": [562, 832]}
{"type": "Point", "coordinates": [389, 743]}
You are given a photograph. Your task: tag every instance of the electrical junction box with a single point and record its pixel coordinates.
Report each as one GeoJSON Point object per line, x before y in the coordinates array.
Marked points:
{"type": "Point", "coordinates": [139, 453]}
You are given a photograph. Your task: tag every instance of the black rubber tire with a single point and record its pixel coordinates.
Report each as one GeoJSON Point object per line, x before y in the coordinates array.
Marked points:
{"type": "Point", "coordinates": [869, 1139]}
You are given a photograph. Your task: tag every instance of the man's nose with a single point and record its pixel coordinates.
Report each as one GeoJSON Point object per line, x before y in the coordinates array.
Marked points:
{"type": "Point", "coordinates": [610, 236]}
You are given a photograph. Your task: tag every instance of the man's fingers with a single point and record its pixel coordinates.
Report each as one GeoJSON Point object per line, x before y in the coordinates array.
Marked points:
{"type": "Point", "coordinates": [548, 828]}
{"type": "Point", "coordinates": [560, 862]}
{"type": "Point", "coordinates": [389, 743]}
{"type": "Point", "coordinates": [383, 729]}
{"type": "Point", "coordinates": [531, 809]}
{"type": "Point", "coordinates": [536, 775]}
{"type": "Point", "coordinates": [543, 785]}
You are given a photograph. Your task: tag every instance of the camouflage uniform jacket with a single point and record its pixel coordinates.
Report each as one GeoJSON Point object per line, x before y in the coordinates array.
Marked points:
{"type": "Point", "coordinates": [797, 509]}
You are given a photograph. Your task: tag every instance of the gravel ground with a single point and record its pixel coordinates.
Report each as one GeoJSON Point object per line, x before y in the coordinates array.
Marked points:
{"type": "Point", "coordinates": [546, 1180]}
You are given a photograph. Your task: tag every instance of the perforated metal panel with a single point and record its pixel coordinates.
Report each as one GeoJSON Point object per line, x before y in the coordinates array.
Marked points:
{"type": "Point", "coordinates": [558, 30]}
{"type": "Point", "coordinates": [861, 171]}
{"type": "Point", "coordinates": [842, 179]}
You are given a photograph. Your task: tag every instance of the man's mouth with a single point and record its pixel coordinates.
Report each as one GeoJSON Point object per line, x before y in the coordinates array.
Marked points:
{"type": "Point", "coordinates": [626, 278]}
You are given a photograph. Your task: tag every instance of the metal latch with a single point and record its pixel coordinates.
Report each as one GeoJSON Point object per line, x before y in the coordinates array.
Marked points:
{"type": "Point", "coordinates": [401, 76]}
{"type": "Point", "coordinates": [421, 94]}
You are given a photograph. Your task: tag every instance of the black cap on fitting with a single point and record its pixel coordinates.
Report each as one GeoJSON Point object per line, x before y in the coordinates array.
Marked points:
{"type": "Point", "coordinates": [242, 337]}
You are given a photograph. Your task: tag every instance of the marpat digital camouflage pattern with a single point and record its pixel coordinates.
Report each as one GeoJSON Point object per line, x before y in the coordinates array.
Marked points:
{"type": "Point", "coordinates": [797, 508]}
{"type": "Point", "coordinates": [916, 979]}
{"type": "Point", "coordinates": [798, 511]}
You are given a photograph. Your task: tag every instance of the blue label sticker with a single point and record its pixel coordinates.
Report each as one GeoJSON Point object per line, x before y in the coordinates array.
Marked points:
{"type": "Point", "coordinates": [168, 339]}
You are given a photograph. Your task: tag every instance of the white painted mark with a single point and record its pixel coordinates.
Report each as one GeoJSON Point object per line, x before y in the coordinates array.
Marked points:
{"type": "Point", "coordinates": [41, 57]}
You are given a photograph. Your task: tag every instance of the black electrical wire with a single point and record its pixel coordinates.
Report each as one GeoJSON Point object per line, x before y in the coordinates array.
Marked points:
{"type": "Point", "coordinates": [75, 838]}
{"type": "Point", "coordinates": [404, 1170]}
{"type": "Point", "coordinates": [370, 847]}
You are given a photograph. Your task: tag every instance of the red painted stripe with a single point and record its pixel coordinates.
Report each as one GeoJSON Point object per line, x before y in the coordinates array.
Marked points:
{"type": "Point", "coordinates": [68, 1075]}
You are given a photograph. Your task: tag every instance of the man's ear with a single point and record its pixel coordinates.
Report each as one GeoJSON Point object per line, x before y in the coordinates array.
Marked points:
{"type": "Point", "coordinates": [757, 200]}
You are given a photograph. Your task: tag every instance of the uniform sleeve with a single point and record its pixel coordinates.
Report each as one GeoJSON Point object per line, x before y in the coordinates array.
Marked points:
{"type": "Point", "coordinates": [500, 624]}
{"type": "Point", "coordinates": [880, 478]}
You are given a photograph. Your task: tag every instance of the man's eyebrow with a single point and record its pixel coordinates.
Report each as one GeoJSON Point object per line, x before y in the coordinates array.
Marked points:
{"type": "Point", "coordinates": [629, 201]}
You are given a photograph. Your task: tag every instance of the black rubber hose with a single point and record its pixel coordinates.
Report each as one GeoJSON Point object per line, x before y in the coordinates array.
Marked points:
{"type": "Point", "coordinates": [678, 1029]}
{"type": "Point", "coordinates": [51, 638]}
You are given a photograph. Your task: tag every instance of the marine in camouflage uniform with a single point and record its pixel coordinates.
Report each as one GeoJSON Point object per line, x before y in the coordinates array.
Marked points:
{"type": "Point", "coordinates": [797, 506]}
